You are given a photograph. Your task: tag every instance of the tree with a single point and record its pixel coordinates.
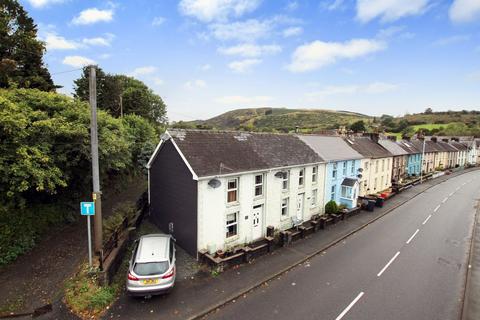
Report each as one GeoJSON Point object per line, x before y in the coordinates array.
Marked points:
{"type": "Point", "coordinates": [120, 94]}
{"type": "Point", "coordinates": [358, 126]}
{"type": "Point", "coordinates": [21, 53]}
{"type": "Point", "coordinates": [428, 111]}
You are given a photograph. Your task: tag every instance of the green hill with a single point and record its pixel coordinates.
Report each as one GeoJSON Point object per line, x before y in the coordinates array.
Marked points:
{"type": "Point", "coordinates": [278, 119]}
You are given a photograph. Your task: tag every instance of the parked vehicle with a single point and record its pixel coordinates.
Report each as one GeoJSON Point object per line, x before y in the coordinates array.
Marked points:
{"type": "Point", "coordinates": [152, 266]}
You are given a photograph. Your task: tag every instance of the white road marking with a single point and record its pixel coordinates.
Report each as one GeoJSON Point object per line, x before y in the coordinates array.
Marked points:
{"type": "Point", "coordinates": [429, 216]}
{"type": "Point", "coordinates": [451, 194]}
{"type": "Point", "coordinates": [445, 200]}
{"type": "Point", "coordinates": [413, 236]}
{"type": "Point", "coordinates": [458, 188]}
{"type": "Point", "coordinates": [388, 264]}
{"type": "Point", "coordinates": [344, 312]}
{"type": "Point", "coordinates": [436, 208]}
{"type": "Point", "coordinates": [464, 183]}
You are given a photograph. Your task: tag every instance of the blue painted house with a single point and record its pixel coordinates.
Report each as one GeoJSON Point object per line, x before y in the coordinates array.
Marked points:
{"type": "Point", "coordinates": [341, 170]}
{"type": "Point", "coordinates": [414, 161]}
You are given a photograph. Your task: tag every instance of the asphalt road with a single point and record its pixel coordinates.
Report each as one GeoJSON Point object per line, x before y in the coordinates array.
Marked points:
{"type": "Point", "coordinates": [410, 264]}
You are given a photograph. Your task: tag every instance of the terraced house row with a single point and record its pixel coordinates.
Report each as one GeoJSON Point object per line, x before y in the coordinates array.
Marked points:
{"type": "Point", "coordinates": [216, 190]}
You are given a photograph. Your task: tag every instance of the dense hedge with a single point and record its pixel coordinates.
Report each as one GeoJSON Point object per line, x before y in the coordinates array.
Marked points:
{"type": "Point", "coordinates": [45, 161]}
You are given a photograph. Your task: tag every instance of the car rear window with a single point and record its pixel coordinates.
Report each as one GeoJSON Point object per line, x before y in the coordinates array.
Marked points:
{"type": "Point", "coordinates": [150, 268]}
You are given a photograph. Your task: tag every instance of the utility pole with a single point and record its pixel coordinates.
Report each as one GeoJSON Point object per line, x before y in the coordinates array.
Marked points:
{"type": "Point", "coordinates": [97, 195]}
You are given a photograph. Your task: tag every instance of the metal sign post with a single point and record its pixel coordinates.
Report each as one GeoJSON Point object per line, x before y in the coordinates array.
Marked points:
{"type": "Point", "coordinates": [88, 209]}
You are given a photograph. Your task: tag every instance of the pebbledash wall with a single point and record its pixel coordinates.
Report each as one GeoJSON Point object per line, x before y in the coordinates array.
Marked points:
{"type": "Point", "coordinates": [252, 214]}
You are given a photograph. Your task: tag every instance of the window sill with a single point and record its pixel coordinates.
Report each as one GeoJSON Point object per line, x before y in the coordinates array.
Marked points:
{"type": "Point", "coordinates": [349, 199]}
{"type": "Point", "coordinates": [284, 218]}
{"type": "Point", "coordinates": [233, 204]}
{"type": "Point", "coordinates": [232, 239]}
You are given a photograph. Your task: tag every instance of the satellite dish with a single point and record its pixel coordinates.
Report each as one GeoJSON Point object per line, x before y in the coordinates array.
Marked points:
{"type": "Point", "coordinates": [359, 176]}
{"type": "Point", "coordinates": [214, 183]}
{"type": "Point", "coordinates": [280, 174]}
{"type": "Point", "coordinates": [360, 169]}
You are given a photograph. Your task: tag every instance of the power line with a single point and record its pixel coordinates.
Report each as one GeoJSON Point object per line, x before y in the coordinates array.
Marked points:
{"type": "Point", "coordinates": [66, 71]}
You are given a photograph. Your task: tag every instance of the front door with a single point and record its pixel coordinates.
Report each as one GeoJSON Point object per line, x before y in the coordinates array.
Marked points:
{"type": "Point", "coordinates": [300, 200]}
{"type": "Point", "coordinates": [257, 222]}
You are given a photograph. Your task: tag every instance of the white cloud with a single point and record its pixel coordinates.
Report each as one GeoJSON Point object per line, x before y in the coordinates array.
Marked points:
{"type": "Point", "coordinates": [372, 88]}
{"type": "Point", "coordinates": [292, 6]}
{"type": "Point", "coordinates": [99, 41]}
{"type": "Point", "coordinates": [142, 71]}
{"type": "Point", "coordinates": [243, 66]}
{"type": "Point", "coordinates": [389, 10]}
{"type": "Point", "coordinates": [56, 42]}
{"type": "Point", "coordinates": [192, 84]}
{"type": "Point", "coordinates": [211, 10]}
{"type": "Point", "coordinates": [250, 50]}
{"type": "Point", "coordinates": [238, 100]}
{"type": "Point", "coordinates": [105, 56]}
{"type": "Point", "coordinates": [334, 5]}
{"type": "Point", "coordinates": [158, 81]}
{"type": "Point", "coordinates": [158, 21]}
{"type": "Point", "coordinates": [452, 40]}
{"type": "Point", "coordinates": [205, 67]}
{"type": "Point", "coordinates": [292, 31]}
{"type": "Point", "coordinates": [245, 31]}
{"type": "Point", "coordinates": [93, 15]}
{"type": "Point", "coordinates": [42, 3]}
{"type": "Point", "coordinates": [77, 61]}
{"type": "Point", "coordinates": [464, 10]}
{"type": "Point", "coordinates": [317, 54]}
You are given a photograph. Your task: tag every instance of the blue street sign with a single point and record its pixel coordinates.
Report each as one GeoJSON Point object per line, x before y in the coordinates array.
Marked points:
{"type": "Point", "coordinates": [87, 208]}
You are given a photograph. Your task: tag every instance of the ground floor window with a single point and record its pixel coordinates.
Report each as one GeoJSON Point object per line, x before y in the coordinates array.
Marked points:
{"type": "Point", "coordinates": [346, 192]}
{"type": "Point", "coordinates": [332, 193]}
{"type": "Point", "coordinates": [314, 198]}
{"type": "Point", "coordinates": [232, 224]}
{"type": "Point", "coordinates": [285, 207]}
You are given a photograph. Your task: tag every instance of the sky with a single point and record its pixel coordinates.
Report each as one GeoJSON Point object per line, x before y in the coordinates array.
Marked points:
{"type": "Point", "coordinates": [205, 57]}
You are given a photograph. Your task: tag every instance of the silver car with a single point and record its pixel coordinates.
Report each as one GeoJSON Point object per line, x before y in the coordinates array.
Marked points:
{"type": "Point", "coordinates": [152, 266]}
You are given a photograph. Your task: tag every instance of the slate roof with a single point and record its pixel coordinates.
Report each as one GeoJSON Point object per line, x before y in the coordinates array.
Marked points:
{"type": "Point", "coordinates": [429, 146]}
{"type": "Point", "coordinates": [367, 147]}
{"type": "Point", "coordinates": [393, 147]}
{"type": "Point", "coordinates": [458, 145]}
{"type": "Point", "coordinates": [349, 182]}
{"type": "Point", "coordinates": [330, 148]}
{"type": "Point", "coordinates": [447, 146]}
{"type": "Point", "coordinates": [221, 152]}
{"type": "Point", "coordinates": [409, 147]}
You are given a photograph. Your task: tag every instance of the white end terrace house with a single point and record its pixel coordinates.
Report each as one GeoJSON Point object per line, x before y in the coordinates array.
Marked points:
{"type": "Point", "coordinates": [214, 190]}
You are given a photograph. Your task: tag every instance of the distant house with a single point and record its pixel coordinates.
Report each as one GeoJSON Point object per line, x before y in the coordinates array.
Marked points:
{"type": "Point", "coordinates": [428, 151]}
{"type": "Point", "coordinates": [449, 155]}
{"type": "Point", "coordinates": [376, 164]}
{"type": "Point", "coordinates": [400, 158]}
{"type": "Point", "coordinates": [414, 160]}
{"type": "Point", "coordinates": [462, 152]}
{"type": "Point", "coordinates": [215, 189]}
{"type": "Point", "coordinates": [342, 168]}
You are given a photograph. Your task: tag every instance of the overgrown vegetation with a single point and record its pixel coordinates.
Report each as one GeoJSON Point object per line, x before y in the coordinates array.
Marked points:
{"type": "Point", "coordinates": [125, 210]}
{"type": "Point", "coordinates": [86, 297]}
{"type": "Point", "coordinates": [45, 160]}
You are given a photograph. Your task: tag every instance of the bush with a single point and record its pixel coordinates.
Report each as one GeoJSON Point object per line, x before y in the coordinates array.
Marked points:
{"type": "Point", "coordinates": [331, 207]}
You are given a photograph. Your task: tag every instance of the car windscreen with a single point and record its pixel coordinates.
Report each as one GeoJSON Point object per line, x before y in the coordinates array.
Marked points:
{"type": "Point", "coordinates": [150, 268]}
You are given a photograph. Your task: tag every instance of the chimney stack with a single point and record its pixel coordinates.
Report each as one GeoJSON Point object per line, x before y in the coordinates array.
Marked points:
{"type": "Point", "coordinates": [393, 138]}
{"type": "Point", "coordinates": [434, 139]}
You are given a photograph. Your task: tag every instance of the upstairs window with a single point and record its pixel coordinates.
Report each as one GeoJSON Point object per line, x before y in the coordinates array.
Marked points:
{"type": "Point", "coordinates": [258, 185]}
{"type": "Point", "coordinates": [345, 168]}
{"type": "Point", "coordinates": [352, 170]}
{"type": "Point", "coordinates": [383, 164]}
{"type": "Point", "coordinates": [232, 225]}
{"type": "Point", "coordinates": [285, 178]}
{"type": "Point", "coordinates": [314, 174]}
{"type": "Point", "coordinates": [376, 166]}
{"type": "Point", "coordinates": [301, 176]}
{"type": "Point", "coordinates": [334, 171]}
{"type": "Point", "coordinates": [232, 190]}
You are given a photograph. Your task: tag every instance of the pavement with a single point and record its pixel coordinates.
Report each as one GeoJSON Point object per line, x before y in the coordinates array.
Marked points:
{"type": "Point", "coordinates": [331, 268]}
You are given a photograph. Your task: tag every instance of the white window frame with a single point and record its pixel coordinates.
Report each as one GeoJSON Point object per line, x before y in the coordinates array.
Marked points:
{"type": "Point", "coordinates": [376, 165]}
{"type": "Point", "coordinates": [236, 189]}
{"type": "Point", "coordinates": [344, 193]}
{"type": "Point", "coordinates": [314, 198]}
{"type": "Point", "coordinates": [286, 181]}
{"type": "Point", "coordinates": [333, 190]}
{"type": "Point", "coordinates": [301, 178]}
{"type": "Point", "coordinates": [345, 165]}
{"type": "Point", "coordinates": [314, 174]}
{"type": "Point", "coordinates": [284, 205]}
{"type": "Point", "coordinates": [256, 185]}
{"type": "Point", "coordinates": [334, 171]}
{"type": "Point", "coordinates": [229, 224]}
{"type": "Point", "coordinates": [352, 171]}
